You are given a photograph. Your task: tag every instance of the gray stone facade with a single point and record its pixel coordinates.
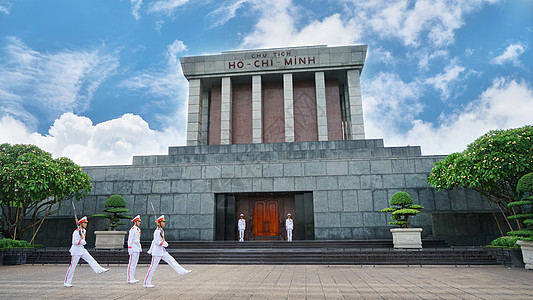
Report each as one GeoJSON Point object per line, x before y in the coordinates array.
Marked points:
{"type": "Point", "coordinates": [351, 181]}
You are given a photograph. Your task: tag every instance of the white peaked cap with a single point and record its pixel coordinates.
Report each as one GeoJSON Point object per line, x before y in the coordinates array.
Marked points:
{"type": "Point", "coordinates": [161, 218]}
{"type": "Point", "coordinates": [137, 218]}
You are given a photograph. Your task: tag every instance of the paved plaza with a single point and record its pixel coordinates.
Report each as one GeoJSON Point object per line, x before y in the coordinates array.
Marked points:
{"type": "Point", "coordinates": [272, 282]}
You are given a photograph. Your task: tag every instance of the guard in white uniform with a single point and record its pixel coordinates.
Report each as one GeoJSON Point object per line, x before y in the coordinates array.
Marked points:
{"type": "Point", "coordinates": [289, 225]}
{"type": "Point", "coordinates": [242, 227]}
{"type": "Point", "coordinates": [78, 251]}
{"type": "Point", "coordinates": [134, 248]}
{"type": "Point", "coordinates": [158, 251]}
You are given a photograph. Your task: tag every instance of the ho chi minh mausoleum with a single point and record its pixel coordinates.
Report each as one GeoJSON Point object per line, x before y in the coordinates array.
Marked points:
{"type": "Point", "coordinates": [274, 131]}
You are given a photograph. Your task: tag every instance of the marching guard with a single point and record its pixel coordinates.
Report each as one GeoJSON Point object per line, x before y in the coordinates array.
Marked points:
{"type": "Point", "coordinates": [289, 225]}
{"type": "Point", "coordinates": [158, 251]}
{"type": "Point", "coordinates": [134, 248]}
{"type": "Point", "coordinates": [78, 251]}
{"type": "Point", "coordinates": [241, 226]}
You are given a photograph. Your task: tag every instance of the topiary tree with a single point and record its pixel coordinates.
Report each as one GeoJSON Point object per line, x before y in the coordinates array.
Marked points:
{"type": "Point", "coordinates": [524, 189]}
{"type": "Point", "coordinates": [115, 209]}
{"type": "Point", "coordinates": [33, 186]}
{"type": "Point", "coordinates": [402, 208]}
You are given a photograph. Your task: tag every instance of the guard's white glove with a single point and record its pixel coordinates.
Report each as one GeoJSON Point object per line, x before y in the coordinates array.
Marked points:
{"type": "Point", "coordinates": [138, 242]}
{"type": "Point", "coordinates": [165, 244]}
{"type": "Point", "coordinates": [83, 242]}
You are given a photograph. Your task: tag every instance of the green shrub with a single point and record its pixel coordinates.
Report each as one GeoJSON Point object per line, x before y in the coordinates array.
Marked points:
{"type": "Point", "coordinates": [525, 184]}
{"type": "Point", "coordinates": [506, 242]}
{"type": "Point", "coordinates": [115, 201]}
{"type": "Point", "coordinates": [9, 243]}
{"type": "Point", "coordinates": [523, 188]}
{"type": "Point", "coordinates": [115, 209]}
{"type": "Point", "coordinates": [402, 208]}
{"type": "Point", "coordinates": [401, 198]}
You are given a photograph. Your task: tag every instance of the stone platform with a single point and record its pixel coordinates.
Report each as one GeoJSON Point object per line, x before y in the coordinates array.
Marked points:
{"type": "Point", "coordinates": [271, 282]}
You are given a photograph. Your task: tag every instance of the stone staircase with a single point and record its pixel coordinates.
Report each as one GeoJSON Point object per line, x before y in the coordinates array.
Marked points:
{"type": "Point", "coordinates": [278, 151]}
{"type": "Point", "coordinates": [376, 252]}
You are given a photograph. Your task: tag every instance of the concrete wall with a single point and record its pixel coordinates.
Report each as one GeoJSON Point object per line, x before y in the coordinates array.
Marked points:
{"type": "Point", "coordinates": [351, 182]}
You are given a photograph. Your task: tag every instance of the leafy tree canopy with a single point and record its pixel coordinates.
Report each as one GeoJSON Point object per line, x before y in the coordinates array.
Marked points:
{"type": "Point", "coordinates": [33, 185]}
{"type": "Point", "coordinates": [493, 163]}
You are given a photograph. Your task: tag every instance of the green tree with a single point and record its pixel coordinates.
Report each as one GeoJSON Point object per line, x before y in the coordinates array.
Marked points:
{"type": "Point", "coordinates": [33, 186]}
{"type": "Point", "coordinates": [115, 207]}
{"type": "Point", "coordinates": [492, 166]}
{"type": "Point", "coordinates": [525, 190]}
{"type": "Point", "coordinates": [402, 208]}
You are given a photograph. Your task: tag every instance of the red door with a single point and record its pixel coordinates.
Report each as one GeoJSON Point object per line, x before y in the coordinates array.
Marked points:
{"type": "Point", "coordinates": [266, 225]}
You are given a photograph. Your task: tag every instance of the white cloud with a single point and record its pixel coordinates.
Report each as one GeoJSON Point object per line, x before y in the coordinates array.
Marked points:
{"type": "Point", "coordinates": [381, 55]}
{"type": "Point", "coordinates": [277, 27]}
{"type": "Point", "coordinates": [511, 54]}
{"type": "Point", "coordinates": [389, 103]}
{"type": "Point", "coordinates": [165, 6]}
{"type": "Point", "coordinates": [113, 142]}
{"type": "Point", "coordinates": [505, 104]}
{"type": "Point", "coordinates": [159, 25]}
{"type": "Point", "coordinates": [426, 57]}
{"type": "Point", "coordinates": [226, 12]}
{"type": "Point", "coordinates": [135, 8]}
{"type": "Point", "coordinates": [412, 22]}
{"type": "Point", "coordinates": [50, 82]}
{"type": "Point", "coordinates": [4, 10]}
{"type": "Point", "coordinates": [168, 84]}
{"type": "Point", "coordinates": [445, 80]}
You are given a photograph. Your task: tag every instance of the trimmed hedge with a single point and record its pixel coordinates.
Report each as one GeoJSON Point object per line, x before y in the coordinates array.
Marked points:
{"type": "Point", "coordinates": [9, 243]}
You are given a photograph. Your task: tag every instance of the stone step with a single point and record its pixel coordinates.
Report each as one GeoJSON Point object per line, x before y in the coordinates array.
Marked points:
{"type": "Point", "coordinates": [278, 151]}
{"type": "Point", "coordinates": [426, 243]}
{"type": "Point", "coordinates": [277, 147]}
{"type": "Point", "coordinates": [303, 252]}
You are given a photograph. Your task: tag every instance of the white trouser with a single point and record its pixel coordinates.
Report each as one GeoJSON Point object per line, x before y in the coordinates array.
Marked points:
{"type": "Point", "coordinates": [132, 265]}
{"type": "Point", "coordinates": [74, 262]}
{"type": "Point", "coordinates": [169, 260]}
{"type": "Point", "coordinates": [289, 235]}
{"type": "Point", "coordinates": [241, 235]}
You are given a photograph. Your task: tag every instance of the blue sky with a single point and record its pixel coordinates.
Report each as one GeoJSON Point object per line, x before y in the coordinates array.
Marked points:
{"type": "Point", "coordinates": [99, 80]}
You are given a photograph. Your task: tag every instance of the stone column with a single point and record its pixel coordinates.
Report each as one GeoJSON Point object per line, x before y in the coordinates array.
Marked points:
{"type": "Point", "coordinates": [356, 105]}
{"type": "Point", "coordinates": [321, 112]}
{"type": "Point", "coordinates": [257, 120]}
{"type": "Point", "coordinates": [288, 105]}
{"type": "Point", "coordinates": [194, 120]}
{"type": "Point", "coordinates": [225, 112]}
{"type": "Point", "coordinates": [205, 118]}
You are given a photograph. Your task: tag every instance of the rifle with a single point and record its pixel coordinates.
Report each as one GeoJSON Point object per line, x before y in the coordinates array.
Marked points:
{"type": "Point", "coordinates": [155, 219]}
{"type": "Point", "coordinates": [76, 218]}
{"type": "Point", "coordinates": [153, 209]}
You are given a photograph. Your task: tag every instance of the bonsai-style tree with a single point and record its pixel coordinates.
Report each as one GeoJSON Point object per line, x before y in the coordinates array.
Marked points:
{"type": "Point", "coordinates": [402, 208]}
{"type": "Point", "coordinates": [33, 186]}
{"type": "Point", "coordinates": [524, 189]}
{"type": "Point", "coordinates": [492, 166]}
{"type": "Point", "coordinates": [115, 209]}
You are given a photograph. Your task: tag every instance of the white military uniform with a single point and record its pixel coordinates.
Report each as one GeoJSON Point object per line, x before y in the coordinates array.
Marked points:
{"type": "Point", "coordinates": [241, 226]}
{"type": "Point", "coordinates": [289, 225]}
{"type": "Point", "coordinates": [78, 251]}
{"type": "Point", "coordinates": [158, 251]}
{"type": "Point", "coordinates": [134, 249]}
